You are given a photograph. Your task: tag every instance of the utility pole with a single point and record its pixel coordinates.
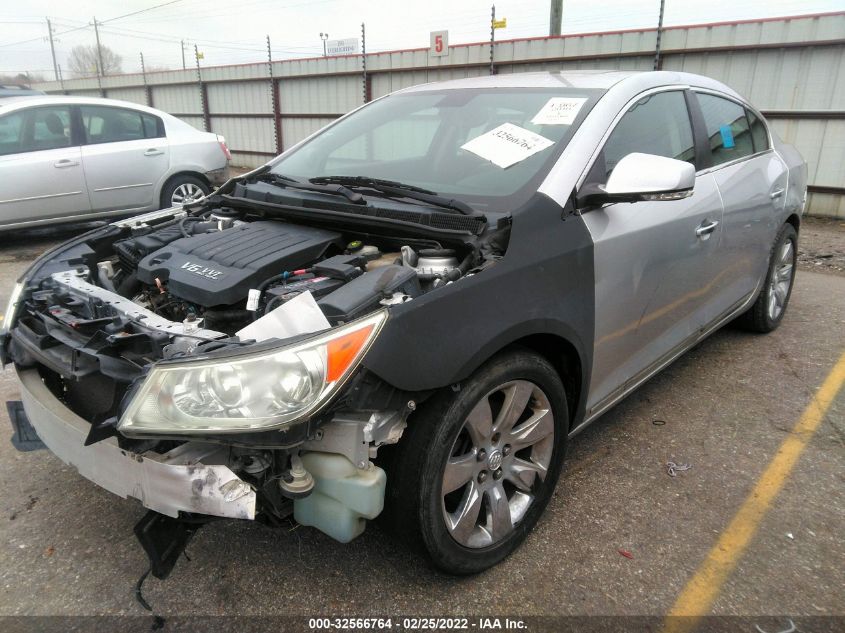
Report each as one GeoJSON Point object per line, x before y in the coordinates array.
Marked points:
{"type": "Point", "coordinates": [657, 62]}
{"type": "Point", "coordinates": [184, 67]}
{"type": "Point", "coordinates": [492, 37]}
{"type": "Point", "coordinates": [148, 95]}
{"type": "Point", "coordinates": [102, 68]}
{"type": "Point", "coordinates": [364, 60]}
{"type": "Point", "coordinates": [52, 49]}
{"type": "Point", "coordinates": [555, 17]}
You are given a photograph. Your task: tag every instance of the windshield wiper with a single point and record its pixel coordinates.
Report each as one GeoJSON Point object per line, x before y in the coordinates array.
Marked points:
{"type": "Point", "coordinates": [395, 189]}
{"type": "Point", "coordinates": [331, 188]}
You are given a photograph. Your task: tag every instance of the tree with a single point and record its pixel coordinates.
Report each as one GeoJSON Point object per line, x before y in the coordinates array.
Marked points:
{"type": "Point", "coordinates": [83, 61]}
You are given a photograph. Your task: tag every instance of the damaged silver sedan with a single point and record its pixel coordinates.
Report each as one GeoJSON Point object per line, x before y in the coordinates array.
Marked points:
{"type": "Point", "coordinates": [410, 312]}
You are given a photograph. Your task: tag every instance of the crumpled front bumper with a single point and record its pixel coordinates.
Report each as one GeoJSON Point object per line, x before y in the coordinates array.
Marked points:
{"type": "Point", "coordinates": [190, 478]}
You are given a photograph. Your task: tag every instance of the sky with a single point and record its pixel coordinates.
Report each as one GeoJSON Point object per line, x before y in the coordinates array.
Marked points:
{"type": "Point", "coordinates": [231, 32]}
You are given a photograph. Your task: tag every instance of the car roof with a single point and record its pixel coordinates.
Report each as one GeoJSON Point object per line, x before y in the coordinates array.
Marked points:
{"type": "Point", "coordinates": [633, 81]}
{"type": "Point", "coordinates": [37, 100]}
{"type": "Point", "coordinates": [16, 90]}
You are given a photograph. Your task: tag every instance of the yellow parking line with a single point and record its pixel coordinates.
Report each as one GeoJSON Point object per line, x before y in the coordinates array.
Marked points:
{"type": "Point", "coordinates": [703, 588]}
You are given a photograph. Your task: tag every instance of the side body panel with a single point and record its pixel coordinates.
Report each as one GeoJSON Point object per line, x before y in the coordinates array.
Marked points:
{"type": "Point", "coordinates": [42, 185]}
{"type": "Point", "coordinates": [751, 219]}
{"type": "Point", "coordinates": [543, 285]}
{"type": "Point", "coordinates": [123, 175]}
{"type": "Point", "coordinates": [654, 281]}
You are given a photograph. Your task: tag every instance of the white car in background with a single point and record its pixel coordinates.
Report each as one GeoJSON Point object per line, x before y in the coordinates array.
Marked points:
{"type": "Point", "coordinates": [67, 159]}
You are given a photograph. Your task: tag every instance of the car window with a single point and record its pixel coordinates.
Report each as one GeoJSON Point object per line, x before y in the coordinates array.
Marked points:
{"type": "Point", "coordinates": [11, 131]}
{"type": "Point", "coordinates": [657, 124]}
{"type": "Point", "coordinates": [758, 132]}
{"type": "Point", "coordinates": [112, 125]}
{"type": "Point", "coordinates": [46, 128]}
{"type": "Point", "coordinates": [397, 139]}
{"type": "Point", "coordinates": [448, 141]}
{"type": "Point", "coordinates": [153, 127]}
{"type": "Point", "coordinates": [727, 128]}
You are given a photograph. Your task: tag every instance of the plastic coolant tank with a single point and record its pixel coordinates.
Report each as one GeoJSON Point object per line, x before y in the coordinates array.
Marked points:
{"type": "Point", "coordinates": [343, 497]}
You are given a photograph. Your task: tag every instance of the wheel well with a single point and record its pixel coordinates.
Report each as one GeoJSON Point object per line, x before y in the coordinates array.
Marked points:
{"type": "Point", "coordinates": [795, 221]}
{"type": "Point", "coordinates": [194, 174]}
{"type": "Point", "coordinates": [564, 358]}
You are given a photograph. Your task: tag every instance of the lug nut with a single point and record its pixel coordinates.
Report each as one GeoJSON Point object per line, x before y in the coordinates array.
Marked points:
{"type": "Point", "coordinates": [481, 455]}
{"type": "Point", "coordinates": [506, 450]}
{"type": "Point", "coordinates": [482, 476]}
{"type": "Point", "coordinates": [497, 474]}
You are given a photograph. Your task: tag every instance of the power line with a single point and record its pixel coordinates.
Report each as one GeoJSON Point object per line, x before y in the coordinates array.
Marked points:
{"type": "Point", "coordinates": [157, 6]}
{"type": "Point", "coordinates": [87, 26]}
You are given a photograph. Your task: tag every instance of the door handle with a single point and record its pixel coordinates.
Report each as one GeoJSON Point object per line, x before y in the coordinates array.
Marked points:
{"type": "Point", "coordinates": [777, 193]}
{"type": "Point", "coordinates": [153, 152]}
{"type": "Point", "coordinates": [65, 162]}
{"type": "Point", "coordinates": [706, 228]}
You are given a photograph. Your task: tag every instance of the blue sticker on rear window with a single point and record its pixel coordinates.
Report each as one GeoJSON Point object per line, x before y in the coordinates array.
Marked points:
{"type": "Point", "coordinates": [727, 136]}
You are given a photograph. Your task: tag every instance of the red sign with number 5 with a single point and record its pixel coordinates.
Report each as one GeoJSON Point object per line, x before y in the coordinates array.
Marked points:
{"type": "Point", "coordinates": [439, 44]}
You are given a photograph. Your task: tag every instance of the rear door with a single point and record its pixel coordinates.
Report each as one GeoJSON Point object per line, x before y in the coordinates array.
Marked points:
{"type": "Point", "coordinates": [125, 154]}
{"type": "Point", "coordinates": [655, 261]}
{"type": "Point", "coordinates": [41, 175]}
{"type": "Point", "coordinates": [752, 182]}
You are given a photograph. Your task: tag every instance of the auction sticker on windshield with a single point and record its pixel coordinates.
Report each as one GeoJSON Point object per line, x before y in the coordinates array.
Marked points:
{"type": "Point", "coordinates": [507, 145]}
{"type": "Point", "coordinates": [559, 111]}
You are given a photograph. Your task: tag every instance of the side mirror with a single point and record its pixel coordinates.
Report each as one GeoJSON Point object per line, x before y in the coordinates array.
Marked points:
{"type": "Point", "coordinates": [640, 177]}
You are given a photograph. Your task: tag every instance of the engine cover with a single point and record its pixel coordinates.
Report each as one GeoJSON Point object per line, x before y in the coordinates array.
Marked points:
{"type": "Point", "coordinates": [219, 268]}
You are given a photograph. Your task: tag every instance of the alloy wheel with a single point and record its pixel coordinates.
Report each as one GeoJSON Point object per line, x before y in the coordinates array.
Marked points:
{"type": "Point", "coordinates": [498, 461]}
{"type": "Point", "coordinates": [186, 193]}
{"type": "Point", "coordinates": [781, 279]}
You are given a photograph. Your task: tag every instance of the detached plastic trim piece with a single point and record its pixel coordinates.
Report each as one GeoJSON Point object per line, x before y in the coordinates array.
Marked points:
{"type": "Point", "coordinates": [24, 436]}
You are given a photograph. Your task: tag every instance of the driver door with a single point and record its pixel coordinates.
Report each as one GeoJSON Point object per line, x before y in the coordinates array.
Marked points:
{"type": "Point", "coordinates": [656, 262]}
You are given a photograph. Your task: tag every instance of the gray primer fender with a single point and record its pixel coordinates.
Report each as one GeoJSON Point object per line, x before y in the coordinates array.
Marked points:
{"type": "Point", "coordinates": [543, 285]}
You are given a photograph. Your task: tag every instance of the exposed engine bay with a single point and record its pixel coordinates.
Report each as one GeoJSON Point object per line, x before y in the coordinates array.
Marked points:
{"type": "Point", "coordinates": [223, 271]}
{"type": "Point", "coordinates": [102, 316]}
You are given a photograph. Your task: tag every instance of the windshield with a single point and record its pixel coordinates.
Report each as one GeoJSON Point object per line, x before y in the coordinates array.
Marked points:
{"type": "Point", "coordinates": [487, 147]}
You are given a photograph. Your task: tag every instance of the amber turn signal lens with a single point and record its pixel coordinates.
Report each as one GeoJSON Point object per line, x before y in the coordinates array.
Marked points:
{"type": "Point", "coordinates": [342, 351]}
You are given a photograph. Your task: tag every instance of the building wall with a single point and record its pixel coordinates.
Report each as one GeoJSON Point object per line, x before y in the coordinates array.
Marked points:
{"type": "Point", "coordinates": [792, 69]}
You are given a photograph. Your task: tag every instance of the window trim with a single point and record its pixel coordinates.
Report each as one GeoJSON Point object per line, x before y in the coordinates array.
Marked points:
{"type": "Point", "coordinates": [682, 88]}
{"type": "Point", "coordinates": [751, 129]}
{"type": "Point", "coordinates": [745, 106]}
{"type": "Point", "coordinates": [160, 131]}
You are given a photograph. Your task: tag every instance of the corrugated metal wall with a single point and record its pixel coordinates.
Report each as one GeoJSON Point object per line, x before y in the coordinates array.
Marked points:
{"type": "Point", "coordinates": [790, 68]}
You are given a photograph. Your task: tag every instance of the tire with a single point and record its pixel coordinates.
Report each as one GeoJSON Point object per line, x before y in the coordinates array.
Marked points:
{"type": "Point", "coordinates": [770, 307]}
{"type": "Point", "coordinates": [443, 429]}
{"type": "Point", "coordinates": [185, 187]}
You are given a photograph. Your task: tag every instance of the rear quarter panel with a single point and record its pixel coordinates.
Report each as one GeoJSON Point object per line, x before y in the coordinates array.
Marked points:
{"type": "Point", "coordinates": [796, 188]}
{"type": "Point", "coordinates": [191, 151]}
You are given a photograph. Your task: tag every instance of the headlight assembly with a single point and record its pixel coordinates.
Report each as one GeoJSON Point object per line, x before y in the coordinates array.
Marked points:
{"type": "Point", "coordinates": [254, 392]}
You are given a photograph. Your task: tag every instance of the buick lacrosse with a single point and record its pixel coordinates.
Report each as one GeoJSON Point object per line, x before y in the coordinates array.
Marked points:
{"type": "Point", "coordinates": [410, 312]}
